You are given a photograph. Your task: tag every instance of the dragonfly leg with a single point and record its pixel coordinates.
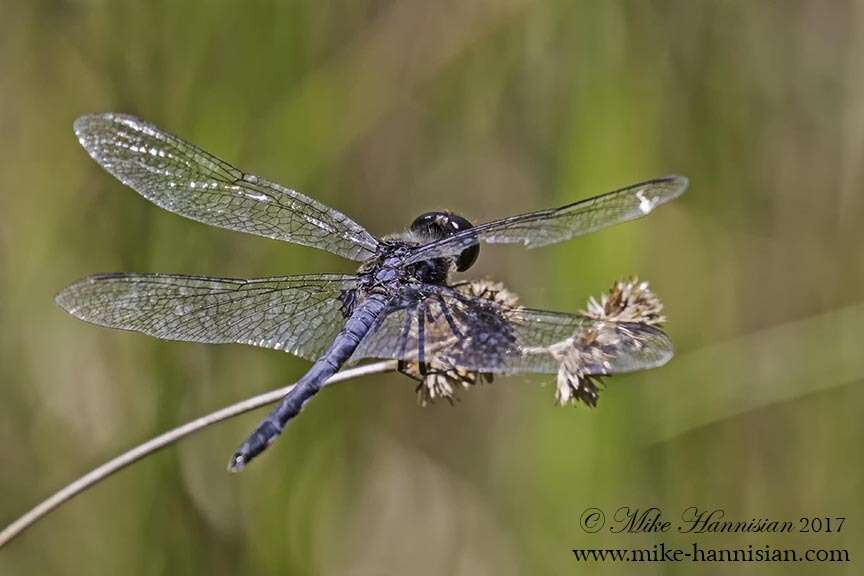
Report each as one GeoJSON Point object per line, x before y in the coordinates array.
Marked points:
{"type": "Point", "coordinates": [404, 368]}
{"type": "Point", "coordinates": [445, 310]}
{"type": "Point", "coordinates": [421, 340]}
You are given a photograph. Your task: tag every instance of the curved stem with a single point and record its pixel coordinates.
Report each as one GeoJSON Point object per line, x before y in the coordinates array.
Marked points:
{"type": "Point", "coordinates": [154, 444]}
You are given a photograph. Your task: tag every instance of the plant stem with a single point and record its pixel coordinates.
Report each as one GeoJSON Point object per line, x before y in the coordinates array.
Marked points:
{"type": "Point", "coordinates": [163, 440]}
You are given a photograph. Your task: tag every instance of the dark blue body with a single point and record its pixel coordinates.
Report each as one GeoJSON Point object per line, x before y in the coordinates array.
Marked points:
{"type": "Point", "coordinates": [381, 282]}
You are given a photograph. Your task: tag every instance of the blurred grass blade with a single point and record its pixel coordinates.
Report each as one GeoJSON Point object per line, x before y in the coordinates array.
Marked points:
{"type": "Point", "coordinates": [774, 365]}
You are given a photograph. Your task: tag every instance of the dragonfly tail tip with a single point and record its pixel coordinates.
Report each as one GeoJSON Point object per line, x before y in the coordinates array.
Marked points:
{"type": "Point", "coordinates": [238, 463]}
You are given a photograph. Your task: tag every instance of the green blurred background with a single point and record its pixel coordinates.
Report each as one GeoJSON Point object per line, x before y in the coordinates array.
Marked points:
{"type": "Point", "coordinates": [387, 109]}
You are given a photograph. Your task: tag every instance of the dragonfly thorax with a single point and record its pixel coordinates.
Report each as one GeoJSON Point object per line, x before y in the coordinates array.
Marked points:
{"type": "Point", "coordinates": [388, 268]}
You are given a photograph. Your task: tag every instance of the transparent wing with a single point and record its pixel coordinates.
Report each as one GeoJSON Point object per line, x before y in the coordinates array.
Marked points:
{"type": "Point", "coordinates": [298, 314]}
{"type": "Point", "coordinates": [555, 225]}
{"type": "Point", "coordinates": [458, 331]}
{"type": "Point", "coordinates": [186, 180]}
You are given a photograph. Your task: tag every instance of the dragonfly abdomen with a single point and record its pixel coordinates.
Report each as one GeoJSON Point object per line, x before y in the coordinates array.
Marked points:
{"type": "Point", "coordinates": [359, 324]}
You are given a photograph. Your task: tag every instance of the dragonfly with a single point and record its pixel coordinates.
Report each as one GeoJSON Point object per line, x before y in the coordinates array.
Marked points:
{"type": "Point", "coordinates": [402, 303]}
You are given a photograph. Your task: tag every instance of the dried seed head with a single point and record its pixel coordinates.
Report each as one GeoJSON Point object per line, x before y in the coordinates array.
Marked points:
{"type": "Point", "coordinates": [584, 358]}
{"type": "Point", "coordinates": [627, 301]}
{"type": "Point", "coordinates": [489, 290]}
{"type": "Point", "coordinates": [441, 380]}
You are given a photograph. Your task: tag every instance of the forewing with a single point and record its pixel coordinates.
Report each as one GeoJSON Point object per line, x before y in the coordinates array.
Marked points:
{"type": "Point", "coordinates": [555, 225]}
{"type": "Point", "coordinates": [298, 314]}
{"type": "Point", "coordinates": [477, 334]}
{"type": "Point", "coordinates": [186, 180]}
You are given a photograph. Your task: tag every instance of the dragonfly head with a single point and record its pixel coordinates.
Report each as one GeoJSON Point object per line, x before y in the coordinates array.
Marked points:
{"type": "Point", "coordinates": [433, 226]}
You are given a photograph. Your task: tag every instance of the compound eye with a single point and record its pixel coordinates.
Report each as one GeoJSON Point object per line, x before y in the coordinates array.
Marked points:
{"type": "Point", "coordinates": [429, 226]}
{"type": "Point", "coordinates": [456, 223]}
{"type": "Point", "coordinates": [468, 256]}
{"type": "Point", "coordinates": [433, 226]}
